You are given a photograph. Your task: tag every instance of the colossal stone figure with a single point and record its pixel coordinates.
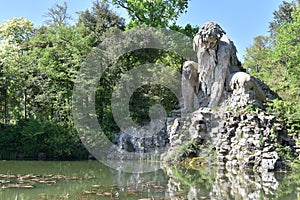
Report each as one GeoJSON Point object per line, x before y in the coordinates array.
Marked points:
{"type": "Point", "coordinates": [216, 55]}
{"type": "Point", "coordinates": [218, 70]}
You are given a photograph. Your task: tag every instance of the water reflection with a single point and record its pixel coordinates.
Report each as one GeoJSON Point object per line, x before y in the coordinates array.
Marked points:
{"type": "Point", "coordinates": [96, 181]}
{"type": "Point", "coordinates": [244, 185]}
{"type": "Point", "coordinates": [219, 184]}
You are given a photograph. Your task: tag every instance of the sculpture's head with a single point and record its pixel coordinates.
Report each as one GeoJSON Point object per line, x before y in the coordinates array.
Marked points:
{"type": "Point", "coordinates": [208, 36]}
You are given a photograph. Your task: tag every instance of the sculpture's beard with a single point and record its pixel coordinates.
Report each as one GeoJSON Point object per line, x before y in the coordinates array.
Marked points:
{"type": "Point", "coordinates": [207, 64]}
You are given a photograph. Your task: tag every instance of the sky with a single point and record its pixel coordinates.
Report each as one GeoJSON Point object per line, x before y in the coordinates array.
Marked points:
{"type": "Point", "coordinates": [242, 20]}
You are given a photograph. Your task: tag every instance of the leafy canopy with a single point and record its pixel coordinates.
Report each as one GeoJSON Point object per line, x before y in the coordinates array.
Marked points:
{"type": "Point", "coordinates": [157, 13]}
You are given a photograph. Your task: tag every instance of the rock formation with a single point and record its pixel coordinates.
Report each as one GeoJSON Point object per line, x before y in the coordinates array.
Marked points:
{"type": "Point", "coordinates": [229, 116]}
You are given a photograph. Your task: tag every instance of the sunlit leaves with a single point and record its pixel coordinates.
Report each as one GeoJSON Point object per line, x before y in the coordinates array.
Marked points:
{"type": "Point", "coordinates": [287, 51]}
{"type": "Point", "coordinates": [157, 13]}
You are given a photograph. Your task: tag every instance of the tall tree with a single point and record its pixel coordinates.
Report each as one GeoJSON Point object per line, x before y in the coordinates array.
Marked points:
{"type": "Point", "coordinates": [99, 20]}
{"type": "Point", "coordinates": [60, 51]}
{"type": "Point", "coordinates": [259, 58]}
{"type": "Point", "coordinates": [286, 54]}
{"type": "Point", "coordinates": [157, 13]}
{"type": "Point", "coordinates": [283, 15]}
{"type": "Point", "coordinates": [14, 36]}
{"type": "Point", "coordinates": [58, 15]}
{"type": "Point", "coordinates": [257, 55]}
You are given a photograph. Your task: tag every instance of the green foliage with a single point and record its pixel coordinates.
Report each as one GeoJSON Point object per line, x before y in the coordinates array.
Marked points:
{"type": "Point", "coordinates": [59, 52]}
{"type": "Point", "coordinates": [38, 67]}
{"type": "Point", "coordinates": [144, 97]}
{"type": "Point", "coordinates": [99, 20]}
{"type": "Point", "coordinates": [33, 135]}
{"type": "Point", "coordinates": [156, 13]}
{"type": "Point", "coordinates": [277, 59]}
{"type": "Point", "coordinates": [284, 152]}
{"type": "Point", "coordinates": [261, 141]}
{"type": "Point", "coordinates": [257, 55]}
{"type": "Point", "coordinates": [186, 150]}
{"type": "Point", "coordinates": [187, 30]}
{"type": "Point", "coordinates": [286, 54]}
{"type": "Point", "coordinates": [288, 113]}
{"type": "Point", "coordinates": [283, 15]}
{"type": "Point", "coordinates": [14, 38]}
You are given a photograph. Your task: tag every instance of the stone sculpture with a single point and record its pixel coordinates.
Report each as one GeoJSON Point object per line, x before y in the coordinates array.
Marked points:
{"type": "Point", "coordinates": [219, 72]}
{"type": "Point", "coordinates": [243, 81]}
{"type": "Point", "coordinates": [190, 85]}
{"type": "Point", "coordinates": [240, 138]}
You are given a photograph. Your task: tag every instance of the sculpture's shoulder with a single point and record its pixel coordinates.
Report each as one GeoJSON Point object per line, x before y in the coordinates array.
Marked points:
{"type": "Point", "coordinates": [225, 42]}
{"type": "Point", "coordinates": [227, 51]}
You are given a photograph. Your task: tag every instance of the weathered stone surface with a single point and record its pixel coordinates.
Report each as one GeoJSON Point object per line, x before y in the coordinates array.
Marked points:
{"type": "Point", "coordinates": [131, 148]}
{"type": "Point", "coordinates": [190, 132]}
{"type": "Point", "coordinates": [253, 150]}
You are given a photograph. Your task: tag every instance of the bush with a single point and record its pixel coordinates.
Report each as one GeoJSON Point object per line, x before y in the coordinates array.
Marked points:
{"type": "Point", "coordinates": [33, 135]}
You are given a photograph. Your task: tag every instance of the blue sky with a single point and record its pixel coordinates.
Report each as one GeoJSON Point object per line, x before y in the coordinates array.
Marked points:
{"type": "Point", "coordinates": [242, 20]}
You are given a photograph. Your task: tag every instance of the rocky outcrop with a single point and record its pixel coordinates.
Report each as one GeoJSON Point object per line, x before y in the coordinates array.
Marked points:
{"type": "Point", "coordinates": [131, 147]}
{"type": "Point", "coordinates": [241, 139]}
{"type": "Point", "coordinates": [252, 140]}
{"type": "Point", "coordinates": [189, 134]}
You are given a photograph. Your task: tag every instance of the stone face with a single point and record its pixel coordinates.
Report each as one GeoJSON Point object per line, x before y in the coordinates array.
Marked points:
{"type": "Point", "coordinates": [216, 60]}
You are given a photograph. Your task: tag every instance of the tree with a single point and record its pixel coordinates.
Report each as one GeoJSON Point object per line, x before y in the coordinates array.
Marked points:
{"type": "Point", "coordinates": [57, 15]}
{"type": "Point", "coordinates": [14, 36]}
{"type": "Point", "coordinates": [157, 13]}
{"type": "Point", "coordinates": [60, 51]}
{"type": "Point", "coordinates": [286, 54]}
{"type": "Point", "coordinates": [259, 58]}
{"type": "Point", "coordinates": [257, 54]}
{"type": "Point", "coordinates": [188, 30]}
{"type": "Point", "coordinates": [161, 13]}
{"type": "Point", "coordinates": [99, 20]}
{"type": "Point", "coordinates": [283, 15]}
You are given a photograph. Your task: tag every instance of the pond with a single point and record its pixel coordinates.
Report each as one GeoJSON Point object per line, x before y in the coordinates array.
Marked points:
{"type": "Point", "coordinates": [87, 180]}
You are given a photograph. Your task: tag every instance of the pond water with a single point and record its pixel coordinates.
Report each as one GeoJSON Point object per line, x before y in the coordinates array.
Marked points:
{"type": "Point", "coordinates": [87, 180]}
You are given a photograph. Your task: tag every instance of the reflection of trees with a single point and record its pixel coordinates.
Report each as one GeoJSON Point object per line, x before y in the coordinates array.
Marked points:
{"type": "Point", "coordinates": [220, 184]}
{"type": "Point", "coordinates": [190, 184]}
{"type": "Point", "coordinates": [289, 185]}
